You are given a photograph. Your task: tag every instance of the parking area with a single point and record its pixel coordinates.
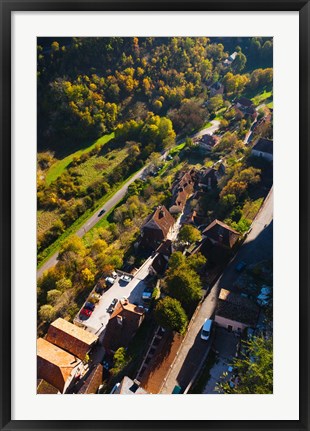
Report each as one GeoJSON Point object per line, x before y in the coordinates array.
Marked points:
{"type": "Point", "coordinates": [225, 345]}
{"type": "Point", "coordinates": [131, 290]}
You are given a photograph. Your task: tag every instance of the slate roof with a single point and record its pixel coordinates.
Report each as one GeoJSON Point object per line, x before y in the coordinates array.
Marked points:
{"type": "Point", "coordinates": [70, 337]}
{"type": "Point", "coordinates": [221, 233]}
{"type": "Point", "coordinates": [244, 101]}
{"type": "Point", "coordinates": [54, 365]}
{"type": "Point", "coordinates": [264, 145]}
{"type": "Point", "coordinates": [165, 248]}
{"type": "Point", "coordinates": [235, 307]}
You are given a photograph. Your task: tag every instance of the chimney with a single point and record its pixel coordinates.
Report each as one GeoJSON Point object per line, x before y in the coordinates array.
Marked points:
{"type": "Point", "coordinates": [135, 386]}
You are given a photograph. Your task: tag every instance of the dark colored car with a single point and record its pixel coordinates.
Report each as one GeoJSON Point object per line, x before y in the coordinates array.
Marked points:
{"type": "Point", "coordinates": [86, 312]}
{"type": "Point", "coordinates": [99, 290]}
{"type": "Point", "coordinates": [89, 306]}
{"type": "Point", "coordinates": [101, 213]}
{"type": "Point", "coordinates": [111, 307]}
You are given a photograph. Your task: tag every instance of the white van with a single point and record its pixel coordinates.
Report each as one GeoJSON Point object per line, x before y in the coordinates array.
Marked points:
{"type": "Point", "coordinates": [206, 329]}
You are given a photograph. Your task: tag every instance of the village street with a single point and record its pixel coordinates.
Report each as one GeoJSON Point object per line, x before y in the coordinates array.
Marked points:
{"type": "Point", "coordinates": [257, 246]}
{"type": "Point", "coordinates": [114, 200]}
{"type": "Point", "coordinates": [132, 290]}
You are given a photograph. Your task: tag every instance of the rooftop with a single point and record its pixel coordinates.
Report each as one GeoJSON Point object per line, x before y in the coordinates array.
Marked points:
{"type": "Point", "coordinates": [70, 337]}
{"type": "Point", "coordinates": [235, 307]}
{"type": "Point", "coordinates": [221, 233]}
{"type": "Point", "coordinates": [54, 365]}
{"type": "Point", "coordinates": [161, 219]}
{"type": "Point", "coordinates": [130, 387]}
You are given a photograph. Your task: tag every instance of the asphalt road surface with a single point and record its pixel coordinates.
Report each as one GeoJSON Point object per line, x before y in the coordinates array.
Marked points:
{"type": "Point", "coordinates": [90, 223]}
{"type": "Point", "coordinates": [257, 247]}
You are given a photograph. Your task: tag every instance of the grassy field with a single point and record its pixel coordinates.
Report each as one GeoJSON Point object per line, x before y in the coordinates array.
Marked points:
{"type": "Point", "coordinates": [92, 170]}
{"type": "Point", "coordinates": [49, 251]}
{"type": "Point", "coordinates": [58, 168]}
{"type": "Point", "coordinates": [45, 220]}
{"type": "Point", "coordinates": [251, 208]}
{"type": "Point", "coordinates": [219, 114]}
{"type": "Point", "coordinates": [175, 150]}
{"type": "Point", "coordinates": [260, 98]}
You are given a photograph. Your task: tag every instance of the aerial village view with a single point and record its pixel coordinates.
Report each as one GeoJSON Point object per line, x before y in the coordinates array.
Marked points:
{"type": "Point", "coordinates": [155, 215]}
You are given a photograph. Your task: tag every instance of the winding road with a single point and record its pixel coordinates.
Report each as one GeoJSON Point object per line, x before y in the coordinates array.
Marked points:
{"type": "Point", "coordinates": [114, 200]}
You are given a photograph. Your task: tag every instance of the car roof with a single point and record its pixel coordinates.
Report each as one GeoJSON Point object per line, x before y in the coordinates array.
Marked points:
{"type": "Point", "coordinates": [207, 324]}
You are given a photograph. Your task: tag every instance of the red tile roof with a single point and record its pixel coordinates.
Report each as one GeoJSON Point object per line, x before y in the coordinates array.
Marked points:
{"type": "Point", "coordinates": [54, 364]}
{"type": "Point", "coordinates": [70, 337]}
{"type": "Point", "coordinates": [161, 220]}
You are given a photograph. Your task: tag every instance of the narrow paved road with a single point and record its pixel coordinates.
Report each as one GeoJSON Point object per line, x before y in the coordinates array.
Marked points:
{"type": "Point", "coordinates": [117, 197]}
{"type": "Point", "coordinates": [256, 247]}
{"type": "Point", "coordinates": [208, 130]}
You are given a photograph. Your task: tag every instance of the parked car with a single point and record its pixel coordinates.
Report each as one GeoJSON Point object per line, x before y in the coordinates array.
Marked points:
{"type": "Point", "coordinates": [206, 329]}
{"type": "Point", "coordinates": [101, 212]}
{"type": "Point", "coordinates": [125, 278]}
{"type": "Point", "coordinates": [111, 307]}
{"type": "Point", "coordinates": [99, 290]}
{"type": "Point", "coordinates": [240, 266]}
{"type": "Point", "coordinates": [85, 312]}
{"type": "Point", "coordinates": [109, 281]}
{"type": "Point", "coordinates": [89, 306]}
{"type": "Point", "coordinates": [147, 293]}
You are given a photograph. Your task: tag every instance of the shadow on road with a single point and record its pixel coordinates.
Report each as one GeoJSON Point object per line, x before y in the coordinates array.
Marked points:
{"type": "Point", "coordinates": [258, 250]}
{"type": "Point", "coordinates": [192, 361]}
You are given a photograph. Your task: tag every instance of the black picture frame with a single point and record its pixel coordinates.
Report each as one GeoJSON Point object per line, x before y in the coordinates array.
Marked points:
{"type": "Point", "coordinates": [7, 7]}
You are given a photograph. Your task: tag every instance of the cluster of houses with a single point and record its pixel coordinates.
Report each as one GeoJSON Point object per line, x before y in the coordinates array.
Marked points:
{"type": "Point", "coordinates": [62, 360]}
{"type": "Point", "coordinates": [63, 364]}
{"type": "Point", "coordinates": [63, 356]}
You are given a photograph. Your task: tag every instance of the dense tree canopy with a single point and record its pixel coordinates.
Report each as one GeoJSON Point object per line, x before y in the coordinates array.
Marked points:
{"type": "Point", "coordinates": [170, 315]}
{"type": "Point", "coordinates": [254, 369]}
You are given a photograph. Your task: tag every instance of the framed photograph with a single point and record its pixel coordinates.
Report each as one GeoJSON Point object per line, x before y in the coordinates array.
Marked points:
{"type": "Point", "coordinates": [154, 215]}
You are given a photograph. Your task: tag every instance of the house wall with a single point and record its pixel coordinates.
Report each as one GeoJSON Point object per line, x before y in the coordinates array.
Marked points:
{"type": "Point", "coordinates": [223, 322]}
{"type": "Point", "coordinates": [74, 372]}
{"type": "Point", "coordinates": [265, 156]}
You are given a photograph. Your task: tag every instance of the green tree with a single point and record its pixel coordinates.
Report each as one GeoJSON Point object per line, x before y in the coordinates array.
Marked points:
{"type": "Point", "coordinates": [53, 295]}
{"type": "Point", "coordinates": [177, 259]}
{"type": "Point", "coordinates": [215, 103]}
{"type": "Point", "coordinates": [184, 285]}
{"type": "Point", "coordinates": [64, 284]}
{"type": "Point", "coordinates": [240, 62]}
{"type": "Point", "coordinates": [119, 360]}
{"type": "Point", "coordinates": [47, 313]}
{"type": "Point", "coordinates": [196, 262]}
{"type": "Point", "coordinates": [254, 368]}
{"type": "Point", "coordinates": [189, 233]}
{"type": "Point", "coordinates": [170, 315]}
